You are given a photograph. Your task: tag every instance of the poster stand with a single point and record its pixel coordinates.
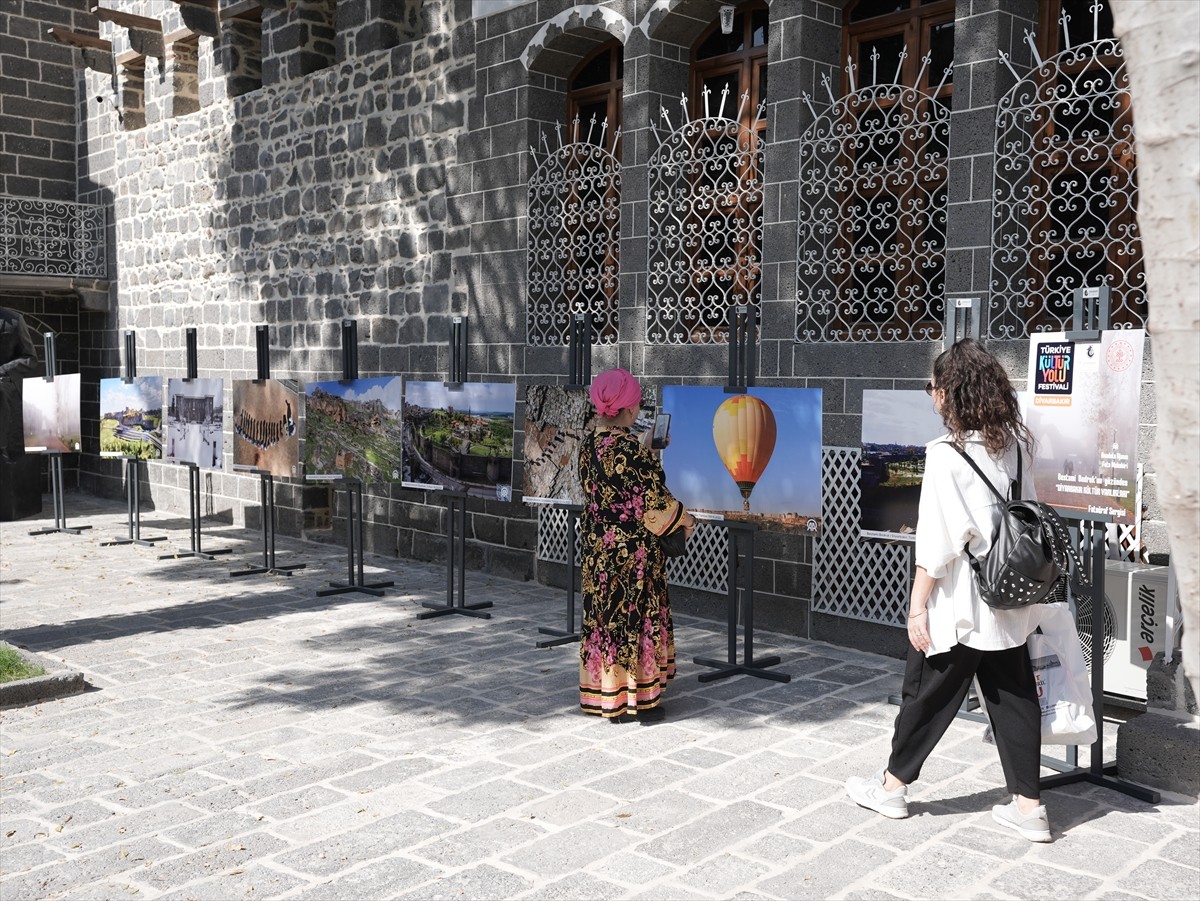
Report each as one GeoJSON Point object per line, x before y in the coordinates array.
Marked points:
{"type": "Point", "coordinates": [456, 505]}
{"type": "Point", "coordinates": [569, 634]}
{"type": "Point", "coordinates": [194, 548]}
{"type": "Point", "coordinates": [962, 320]}
{"type": "Point", "coordinates": [355, 580]}
{"type": "Point", "coordinates": [743, 349]}
{"type": "Point", "coordinates": [741, 542]}
{"type": "Point", "coordinates": [1090, 313]}
{"type": "Point", "coordinates": [579, 353]}
{"type": "Point", "coordinates": [133, 489]}
{"type": "Point", "coordinates": [55, 463]}
{"type": "Point", "coordinates": [266, 481]}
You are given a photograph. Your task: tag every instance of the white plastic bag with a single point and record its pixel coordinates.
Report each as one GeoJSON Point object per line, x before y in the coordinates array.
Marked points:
{"type": "Point", "coordinates": [1064, 690]}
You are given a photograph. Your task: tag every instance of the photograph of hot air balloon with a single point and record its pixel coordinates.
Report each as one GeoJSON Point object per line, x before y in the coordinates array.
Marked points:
{"type": "Point", "coordinates": [750, 456]}
{"type": "Point", "coordinates": [896, 426]}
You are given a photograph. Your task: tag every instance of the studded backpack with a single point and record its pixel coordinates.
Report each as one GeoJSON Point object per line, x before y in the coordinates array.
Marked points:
{"type": "Point", "coordinates": [1031, 550]}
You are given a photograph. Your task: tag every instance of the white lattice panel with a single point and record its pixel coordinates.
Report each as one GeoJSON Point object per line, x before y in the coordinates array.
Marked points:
{"type": "Point", "coordinates": [853, 577]}
{"type": "Point", "coordinates": [706, 566]}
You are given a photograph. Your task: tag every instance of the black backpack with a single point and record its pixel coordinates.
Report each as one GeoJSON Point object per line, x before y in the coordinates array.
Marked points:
{"type": "Point", "coordinates": [1031, 549]}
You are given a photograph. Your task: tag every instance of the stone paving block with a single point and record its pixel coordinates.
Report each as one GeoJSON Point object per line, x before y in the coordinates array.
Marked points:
{"type": "Point", "coordinates": [486, 800]}
{"type": "Point", "coordinates": [827, 874]}
{"type": "Point", "coordinates": [712, 833]}
{"type": "Point", "coordinates": [381, 838]}
{"type": "Point", "coordinates": [294, 777]}
{"type": "Point", "coordinates": [1033, 880]}
{"type": "Point", "coordinates": [938, 870]}
{"type": "Point", "coordinates": [575, 768]}
{"type": "Point", "coordinates": [800, 792]}
{"type": "Point", "coordinates": [671, 890]}
{"type": "Point", "coordinates": [392, 772]}
{"type": "Point", "coordinates": [460, 777]}
{"type": "Point", "coordinates": [213, 830]}
{"type": "Point", "coordinates": [571, 849]}
{"type": "Point", "coordinates": [568, 807]}
{"type": "Point", "coordinates": [165, 788]}
{"type": "Point", "coordinates": [480, 882]}
{"type": "Point", "coordinates": [701, 758]}
{"type": "Point", "coordinates": [828, 821]}
{"type": "Point", "coordinates": [1006, 845]}
{"type": "Point", "coordinates": [219, 857]}
{"type": "Point", "coordinates": [380, 879]}
{"type": "Point", "coordinates": [722, 874]}
{"type": "Point", "coordinates": [255, 881]}
{"type": "Point", "coordinates": [660, 813]}
{"type": "Point", "coordinates": [125, 827]}
{"type": "Point", "coordinates": [220, 799]}
{"type": "Point", "coordinates": [1169, 880]}
{"type": "Point", "coordinates": [634, 871]}
{"type": "Point", "coordinates": [577, 887]}
{"type": "Point", "coordinates": [19, 858]}
{"type": "Point", "coordinates": [477, 844]}
{"type": "Point", "coordinates": [777, 849]}
{"type": "Point", "coordinates": [1184, 850]}
{"type": "Point", "coordinates": [741, 777]}
{"type": "Point", "coordinates": [290, 805]}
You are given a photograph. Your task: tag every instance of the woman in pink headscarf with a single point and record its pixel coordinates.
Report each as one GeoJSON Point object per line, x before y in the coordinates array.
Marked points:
{"type": "Point", "coordinates": [627, 651]}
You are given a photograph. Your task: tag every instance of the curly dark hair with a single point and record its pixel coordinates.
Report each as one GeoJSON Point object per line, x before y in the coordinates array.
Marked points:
{"type": "Point", "coordinates": [978, 397]}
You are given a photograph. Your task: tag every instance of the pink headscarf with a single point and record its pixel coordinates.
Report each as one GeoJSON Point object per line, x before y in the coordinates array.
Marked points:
{"type": "Point", "coordinates": [614, 391]}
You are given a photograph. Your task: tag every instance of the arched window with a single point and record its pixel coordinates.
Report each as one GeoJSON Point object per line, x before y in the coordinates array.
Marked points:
{"type": "Point", "coordinates": [1066, 180]}
{"type": "Point", "coordinates": [594, 92]}
{"type": "Point", "coordinates": [736, 63]}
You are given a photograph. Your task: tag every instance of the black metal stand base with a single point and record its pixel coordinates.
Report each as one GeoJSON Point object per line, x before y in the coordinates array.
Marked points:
{"type": "Point", "coordinates": [269, 567]}
{"type": "Point", "coordinates": [456, 563]}
{"type": "Point", "coordinates": [354, 548]}
{"type": "Point", "coordinates": [563, 638]}
{"type": "Point", "coordinates": [741, 537]}
{"type": "Point", "coordinates": [195, 550]}
{"type": "Point", "coordinates": [134, 499]}
{"type": "Point", "coordinates": [756, 668]}
{"type": "Point", "coordinates": [436, 610]}
{"type": "Point", "coordinates": [140, 542]}
{"type": "Point", "coordinates": [60, 512]}
{"type": "Point", "coordinates": [1105, 779]}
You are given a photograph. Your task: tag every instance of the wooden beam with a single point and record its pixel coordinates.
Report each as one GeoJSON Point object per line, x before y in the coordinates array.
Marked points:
{"type": "Point", "coordinates": [82, 41]}
{"type": "Point", "coordinates": [131, 59]}
{"type": "Point", "coordinates": [126, 20]}
{"type": "Point", "coordinates": [206, 4]}
{"type": "Point", "coordinates": [250, 10]}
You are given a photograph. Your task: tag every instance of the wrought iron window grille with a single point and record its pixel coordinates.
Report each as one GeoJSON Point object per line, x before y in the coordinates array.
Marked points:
{"type": "Point", "coordinates": [574, 236]}
{"type": "Point", "coordinates": [52, 238]}
{"type": "Point", "coordinates": [704, 235]}
{"type": "Point", "coordinates": [872, 212]}
{"type": "Point", "coordinates": [1065, 212]}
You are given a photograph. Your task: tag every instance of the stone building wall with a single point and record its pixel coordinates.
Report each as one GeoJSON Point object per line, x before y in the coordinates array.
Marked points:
{"type": "Point", "coordinates": [380, 174]}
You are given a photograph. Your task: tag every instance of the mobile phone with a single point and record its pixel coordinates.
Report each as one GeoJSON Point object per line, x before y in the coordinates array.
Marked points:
{"type": "Point", "coordinates": [662, 428]}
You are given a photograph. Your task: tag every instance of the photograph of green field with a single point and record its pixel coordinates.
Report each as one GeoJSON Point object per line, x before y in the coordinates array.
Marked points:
{"type": "Point", "coordinates": [352, 429]}
{"type": "Point", "coordinates": [131, 417]}
{"type": "Point", "coordinates": [896, 427]}
{"type": "Point", "coordinates": [460, 438]}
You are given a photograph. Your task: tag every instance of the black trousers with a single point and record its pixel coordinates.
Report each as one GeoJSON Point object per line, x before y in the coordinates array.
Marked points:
{"type": "Point", "coordinates": [934, 688]}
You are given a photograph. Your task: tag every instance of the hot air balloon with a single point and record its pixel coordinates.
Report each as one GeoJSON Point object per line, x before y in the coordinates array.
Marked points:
{"type": "Point", "coordinates": [744, 434]}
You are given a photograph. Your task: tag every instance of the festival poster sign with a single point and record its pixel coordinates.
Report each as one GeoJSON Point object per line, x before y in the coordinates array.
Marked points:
{"type": "Point", "coordinates": [753, 456]}
{"type": "Point", "coordinates": [50, 415]}
{"type": "Point", "coordinates": [1083, 405]}
{"type": "Point", "coordinates": [131, 417]}
{"type": "Point", "coordinates": [460, 438]}
{"type": "Point", "coordinates": [266, 433]}
{"type": "Point", "coordinates": [555, 422]}
{"type": "Point", "coordinates": [195, 408]}
{"type": "Point", "coordinates": [352, 429]}
{"type": "Point", "coordinates": [896, 426]}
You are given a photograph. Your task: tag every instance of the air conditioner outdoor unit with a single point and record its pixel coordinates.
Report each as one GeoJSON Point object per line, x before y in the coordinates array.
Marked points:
{"type": "Point", "coordinates": [1134, 627]}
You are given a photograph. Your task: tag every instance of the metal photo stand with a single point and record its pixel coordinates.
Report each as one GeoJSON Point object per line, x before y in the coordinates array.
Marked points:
{"type": "Point", "coordinates": [579, 352]}
{"type": "Point", "coordinates": [741, 543]}
{"type": "Point", "coordinates": [266, 481]}
{"type": "Point", "coordinates": [743, 349]}
{"type": "Point", "coordinates": [456, 505]}
{"type": "Point", "coordinates": [355, 580]}
{"type": "Point", "coordinates": [55, 464]}
{"type": "Point", "coordinates": [570, 633]}
{"type": "Point", "coordinates": [133, 488]}
{"type": "Point", "coordinates": [194, 548]}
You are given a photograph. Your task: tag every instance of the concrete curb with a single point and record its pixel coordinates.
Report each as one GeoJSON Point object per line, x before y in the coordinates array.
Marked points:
{"type": "Point", "coordinates": [56, 683]}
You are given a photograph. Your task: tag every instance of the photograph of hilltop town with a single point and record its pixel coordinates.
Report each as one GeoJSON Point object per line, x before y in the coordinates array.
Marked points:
{"type": "Point", "coordinates": [896, 427]}
{"type": "Point", "coordinates": [352, 429]}
{"type": "Point", "coordinates": [131, 417]}
{"type": "Point", "coordinates": [460, 438]}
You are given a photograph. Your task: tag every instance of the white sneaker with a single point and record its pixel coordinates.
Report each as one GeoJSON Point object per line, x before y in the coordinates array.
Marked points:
{"type": "Point", "coordinates": [869, 793]}
{"type": "Point", "coordinates": [1034, 826]}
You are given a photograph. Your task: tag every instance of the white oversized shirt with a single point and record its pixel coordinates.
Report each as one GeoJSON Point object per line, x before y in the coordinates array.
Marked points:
{"type": "Point", "coordinates": [957, 509]}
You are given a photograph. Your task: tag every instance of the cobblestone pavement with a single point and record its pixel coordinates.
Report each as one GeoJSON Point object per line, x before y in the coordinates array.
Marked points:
{"type": "Point", "coordinates": [247, 739]}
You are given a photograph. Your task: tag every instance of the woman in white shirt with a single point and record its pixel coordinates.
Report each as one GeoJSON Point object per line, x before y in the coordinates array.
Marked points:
{"type": "Point", "coordinates": [954, 635]}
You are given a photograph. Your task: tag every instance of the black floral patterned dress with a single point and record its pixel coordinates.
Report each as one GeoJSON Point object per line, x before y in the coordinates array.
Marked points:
{"type": "Point", "coordinates": [627, 648]}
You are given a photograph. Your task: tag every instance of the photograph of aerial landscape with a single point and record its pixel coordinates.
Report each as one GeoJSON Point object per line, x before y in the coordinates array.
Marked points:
{"type": "Point", "coordinates": [266, 432]}
{"type": "Point", "coordinates": [352, 429]}
{"type": "Point", "coordinates": [896, 426]}
{"type": "Point", "coordinates": [131, 417]}
{"type": "Point", "coordinates": [460, 438]}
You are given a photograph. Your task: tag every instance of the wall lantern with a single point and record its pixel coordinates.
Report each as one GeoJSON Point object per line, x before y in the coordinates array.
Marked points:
{"type": "Point", "coordinates": [727, 19]}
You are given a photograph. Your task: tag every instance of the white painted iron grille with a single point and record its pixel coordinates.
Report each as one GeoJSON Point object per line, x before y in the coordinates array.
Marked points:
{"type": "Point", "coordinates": [1066, 193]}
{"type": "Point", "coordinates": [574, 239]}
{"type": "Point", "coordinates": [49, 237]}
{"type": "Point", "coordinates": [706, 566]}
{"type": "Point", "coordinates": [872, 216]}
{"type": "Point", "coordinates": [704, 238]}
